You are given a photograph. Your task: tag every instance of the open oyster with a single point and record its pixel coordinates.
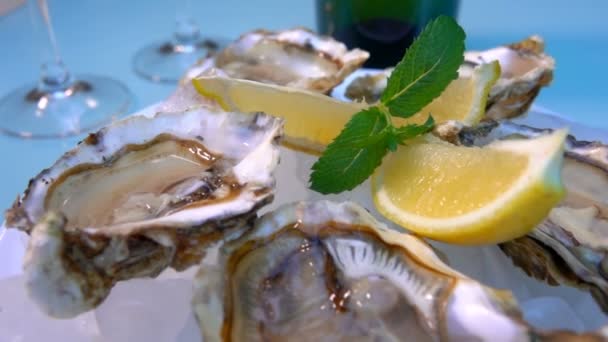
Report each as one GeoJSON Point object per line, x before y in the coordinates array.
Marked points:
{"type": "Point", "coordinates": [571, 245]}
{"type": "Point", "coordinates": [368, 87]}
{"type": "Point", "coordinates": [297, 58]}
{"type": "Point", "coordinates": [329, 271]}
{"type": "Point", "coordinates": [525, 69]}
{"type": "Point", "coordinates": [139, 196]}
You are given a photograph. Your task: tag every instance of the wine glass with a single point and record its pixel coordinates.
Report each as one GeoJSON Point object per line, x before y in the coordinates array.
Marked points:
{"type": "Point", "coordinates": [60, 104]}
{"type": "Point", "coordinates": [168, 60]}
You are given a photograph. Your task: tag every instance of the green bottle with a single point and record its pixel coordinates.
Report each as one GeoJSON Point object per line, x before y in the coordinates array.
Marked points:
{"type": "Point", "coordinates": [385, 28]}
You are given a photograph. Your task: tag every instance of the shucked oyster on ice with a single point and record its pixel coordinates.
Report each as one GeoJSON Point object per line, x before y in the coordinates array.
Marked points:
{"type": "Point", "coordinates": [139, 196]}
{"type": "Point", "coordinates": [525, 69]}
{"type": "Point", "coordinates": [324, 271]}
{"type": "Point", "coordinates": [296, 58]}
{"type": "Point", "coordinates": [571, 245]}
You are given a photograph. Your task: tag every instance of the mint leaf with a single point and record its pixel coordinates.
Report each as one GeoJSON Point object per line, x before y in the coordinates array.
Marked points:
{"type": "Point", "coordinates": [429, 65]}
{"type": "Point", "coordinates": [354, 154]}
{"type": "Point", "coordinates": [427, 68]}
{"type": "Point", "coordinates": [412, 131]}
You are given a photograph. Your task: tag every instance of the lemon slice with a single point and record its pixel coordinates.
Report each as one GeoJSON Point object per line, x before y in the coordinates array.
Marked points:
{"type": "Point", "coordinates": [471, 195]}
{"type": "Point", "coordinates": [313, 120]}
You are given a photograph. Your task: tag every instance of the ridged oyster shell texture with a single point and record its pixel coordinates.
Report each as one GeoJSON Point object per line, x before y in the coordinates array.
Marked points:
{"type": "Point", "coordinates": [139, 196]}
{"type": "Point", "coordinates": [330, 271]}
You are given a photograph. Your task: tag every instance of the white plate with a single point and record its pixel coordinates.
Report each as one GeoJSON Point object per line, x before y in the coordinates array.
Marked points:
{"type": "Point", "coordinates": [158, 309]}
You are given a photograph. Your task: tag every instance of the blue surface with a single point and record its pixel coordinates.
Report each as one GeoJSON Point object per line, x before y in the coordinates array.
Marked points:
{"type": "Point", "coordinates": [101, 37]}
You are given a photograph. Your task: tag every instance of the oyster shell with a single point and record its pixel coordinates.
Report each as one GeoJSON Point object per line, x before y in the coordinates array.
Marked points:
{"type": "Point", "coordinates": [525, 69]}
{"type": "Point", "coordinates": [368, 87]}
{"type": "Point", "coordinates": [571, 246]}
{"type": "Point", "coordinates": [141, 195]}
{"type": "Point", "coordinates": [329, 271]}
{"type": "Point", "coordinates": [296, 58]}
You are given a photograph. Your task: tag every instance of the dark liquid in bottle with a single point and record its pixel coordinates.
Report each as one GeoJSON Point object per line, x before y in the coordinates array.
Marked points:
{"type": "Point", "coordinates": [386, 39]}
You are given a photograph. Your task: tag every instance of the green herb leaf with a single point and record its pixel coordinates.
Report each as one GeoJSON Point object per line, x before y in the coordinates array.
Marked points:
{"type": "Point", "coordinates": [427, 68]}
{"type": "Point", "coordinates": [354, 154]}
{"type": "Point", "coordinates": [411, 131]}
{"type": "Point", "coordinates": [429, 65]}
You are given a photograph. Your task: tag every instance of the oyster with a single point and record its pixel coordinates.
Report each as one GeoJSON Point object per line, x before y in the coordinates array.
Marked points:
{"type": "Point", "coordinates": [141, 195]}
{"type": "Point", "coordinates": [329, 271]}
{"type": "Point", "coordinates": [571, 246]}
{"type": "Point", "coordinates": [296, 58]}
{"type": "Point", "coordinates": [368, 87]}
{"type": "Point", "coordinates": [525, 69]}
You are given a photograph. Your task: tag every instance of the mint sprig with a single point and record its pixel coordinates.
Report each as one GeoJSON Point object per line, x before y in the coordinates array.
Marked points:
{"type": "Point", "coordinates": [429, 65]}
{"type": "Point", "coordinates": [353, 156]}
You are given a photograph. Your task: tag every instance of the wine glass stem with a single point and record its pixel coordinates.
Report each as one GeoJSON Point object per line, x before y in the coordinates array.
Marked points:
{"type": "Point", "coordinates": [54, 76]}
{"type": "Point", "coordinates": [186, 31]}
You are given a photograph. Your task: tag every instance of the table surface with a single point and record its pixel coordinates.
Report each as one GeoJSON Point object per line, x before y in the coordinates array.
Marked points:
{"type": "Point", "coordinates": [102, 36]}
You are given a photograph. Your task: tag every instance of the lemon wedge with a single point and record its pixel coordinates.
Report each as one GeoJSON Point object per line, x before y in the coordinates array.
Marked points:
{"type": "Point", "coordinates": [313, 120]}
{"type": "Point", "coordinates": [463, 100]}
{"type": "Point", "coordinates": [471, 195]}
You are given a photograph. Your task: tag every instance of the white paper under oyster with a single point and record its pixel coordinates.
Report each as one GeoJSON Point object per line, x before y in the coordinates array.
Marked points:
{"type": "Point", "coordinates": [330, 271]}
{"type": "Point", "coordinates": [139, 196]}
{"type": "Point", "coordinates": [297, 58]}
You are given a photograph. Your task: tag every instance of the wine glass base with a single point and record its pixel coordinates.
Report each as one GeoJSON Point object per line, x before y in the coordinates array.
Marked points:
{"type": "Point", "coordinates": [89, 103]}
{"type": "Point", "coordinates": [168, 62]}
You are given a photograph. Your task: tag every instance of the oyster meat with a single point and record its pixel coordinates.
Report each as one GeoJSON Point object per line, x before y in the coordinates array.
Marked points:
{"type": "Point", "coordinates": [368, 87]}
{"type": "Point", "coordinates": [296, 58]}
{"type": "Point", "coordinates": [525, 69]}
{"type": "Point", "coordinates": [571, 245]}
{"type": "Point", "coordinates": [325, 271]}
{"type": "Point", "coordinates": [141, 195]}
